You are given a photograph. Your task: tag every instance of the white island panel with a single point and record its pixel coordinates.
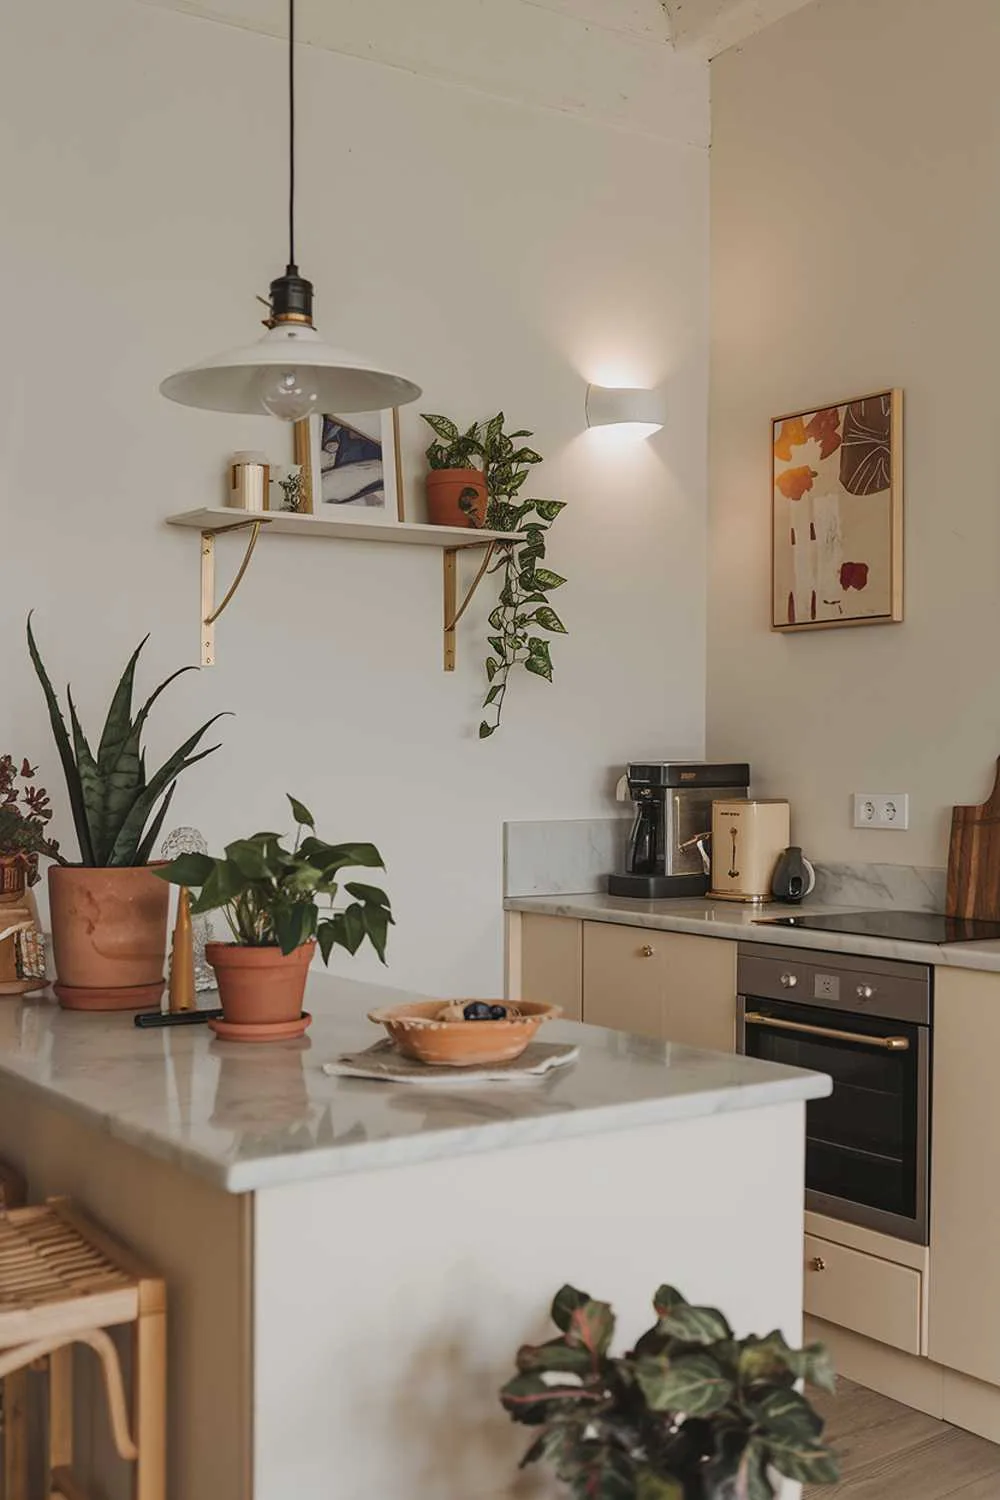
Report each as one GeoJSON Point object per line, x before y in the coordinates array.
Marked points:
{"type": "Point", "coordinates": [389, 1305]}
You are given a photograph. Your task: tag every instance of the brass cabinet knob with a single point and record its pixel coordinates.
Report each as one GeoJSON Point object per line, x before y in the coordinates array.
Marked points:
{"type": "Point", "coordinates": [647, 950]}
{"type": "Point", "coordinates": [817, 1263]}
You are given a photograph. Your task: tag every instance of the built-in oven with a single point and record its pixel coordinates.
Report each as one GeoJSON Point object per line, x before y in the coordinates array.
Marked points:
{"type": "Point", "coordinates": [866, 1022]}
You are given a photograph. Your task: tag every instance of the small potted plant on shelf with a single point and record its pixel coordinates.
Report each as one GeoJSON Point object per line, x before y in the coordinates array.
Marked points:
{"type": "Point", "coordinates": [691, 1413]}
{"type": "Point", "coordinates": [25, 813]}
{"type": "Point", "coordinates": [109, 913]}
{"type": "Point", "coordinates": [456, 484]}
{"type": "Point", "coordinates": [279, 905]}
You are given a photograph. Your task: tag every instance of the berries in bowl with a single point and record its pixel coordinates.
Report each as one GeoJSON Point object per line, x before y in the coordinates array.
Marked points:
{"type": "Point", "coordinates": [464, 1033]}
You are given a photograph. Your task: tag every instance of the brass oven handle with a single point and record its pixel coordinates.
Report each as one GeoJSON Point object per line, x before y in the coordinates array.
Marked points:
{"type": "Point", "coordinates": [887, 1043]}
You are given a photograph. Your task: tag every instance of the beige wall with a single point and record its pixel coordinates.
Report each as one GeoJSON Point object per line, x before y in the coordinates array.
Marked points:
{"type": "Point", "coordinates": [856, 245]}
{"type": "Point", "coordinates": [504, 202]}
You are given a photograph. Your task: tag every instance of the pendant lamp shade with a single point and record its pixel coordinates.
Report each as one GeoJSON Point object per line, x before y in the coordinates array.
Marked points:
{"type": "Point", "coordinates": [294, 355]}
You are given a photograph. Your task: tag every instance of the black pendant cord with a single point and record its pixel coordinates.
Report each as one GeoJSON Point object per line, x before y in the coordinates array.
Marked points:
{"type": "Point", "coordinates": [291, 133]}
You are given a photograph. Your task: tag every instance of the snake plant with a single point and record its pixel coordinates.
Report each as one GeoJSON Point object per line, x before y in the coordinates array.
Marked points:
{"type": "Point", "coordinates": [114, 803]}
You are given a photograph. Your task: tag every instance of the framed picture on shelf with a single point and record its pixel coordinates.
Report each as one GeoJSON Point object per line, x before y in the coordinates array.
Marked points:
{"type": "Point", "coordinates": [837, 515]}
{"type": "Point", "coordinates": [351, 466]}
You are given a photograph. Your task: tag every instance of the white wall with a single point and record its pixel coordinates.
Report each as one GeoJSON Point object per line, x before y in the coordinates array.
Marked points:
{"type": "Point", "coordinates": [500, 251]}
{"type": "Point", "coordinates": [856, 235]}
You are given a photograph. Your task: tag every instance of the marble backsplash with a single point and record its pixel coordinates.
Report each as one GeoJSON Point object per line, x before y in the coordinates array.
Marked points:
{"type": "Point", "coordinates": [574, 857]}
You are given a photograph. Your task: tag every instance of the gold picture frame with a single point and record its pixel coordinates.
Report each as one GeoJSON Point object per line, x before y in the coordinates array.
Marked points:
{"type": "Point", "coordinates": [837, 514]}
{"type": "Point", "coordinates": [306, 447]}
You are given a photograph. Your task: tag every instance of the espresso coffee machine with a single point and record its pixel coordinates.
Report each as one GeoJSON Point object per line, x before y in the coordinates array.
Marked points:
{"type": "Point", "coordinates": [673, 806]}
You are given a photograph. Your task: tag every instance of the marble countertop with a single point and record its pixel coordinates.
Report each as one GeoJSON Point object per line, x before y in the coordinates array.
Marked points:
{"type": "Point", "coordinates": [248, 1117]}
{"type": "Point", "coordinates": [725, 919]}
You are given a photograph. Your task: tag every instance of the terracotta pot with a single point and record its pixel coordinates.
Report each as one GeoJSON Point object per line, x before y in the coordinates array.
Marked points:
{"type": "Point", "coordinates": [456, 497]}
{"type": "Point", "coordinates": [260, 986]}
{"type": "Point", "coordinates": [109, 936]}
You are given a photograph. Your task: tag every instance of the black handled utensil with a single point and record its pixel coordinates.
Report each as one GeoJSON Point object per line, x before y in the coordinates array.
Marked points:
{"type": "Point", "coordinates": [175, 1017]}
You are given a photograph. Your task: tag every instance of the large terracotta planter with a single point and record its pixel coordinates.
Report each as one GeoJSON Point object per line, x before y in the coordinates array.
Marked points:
{"type": "Point", "coordinates": [456, 497]}
{"type": "Point", "coordinates": [109, 936]}
{"type": "Point", "coordinates": [260, 986]}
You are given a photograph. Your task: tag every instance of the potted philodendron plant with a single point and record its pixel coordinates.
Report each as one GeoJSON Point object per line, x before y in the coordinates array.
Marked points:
{"type": "Point", "coordinates": [109, 913]}
{"type": "Point", "coordinates": [279, 905]}
{"type": "Point", "coordinates": [691, 1413]}
{"type": "Point", "coordinates": [456, 484]}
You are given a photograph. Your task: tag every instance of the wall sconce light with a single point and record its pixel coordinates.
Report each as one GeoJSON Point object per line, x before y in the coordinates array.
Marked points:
{"type": "Point", "coordinates": [643, 412]}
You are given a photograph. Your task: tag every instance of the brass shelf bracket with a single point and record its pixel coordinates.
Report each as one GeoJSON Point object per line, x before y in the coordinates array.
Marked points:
{"type": "Point", "coordinates": [210, 611]}
{"type": "Point", "coordinates": [453, 611]}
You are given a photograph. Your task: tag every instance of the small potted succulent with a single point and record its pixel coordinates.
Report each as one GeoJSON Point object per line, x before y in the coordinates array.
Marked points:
{"type": "Point", "coordinates": [691, 1413]}
{"type": "Point", "coordinates": [109, 914]}
{"type": "Point", "coordinates": [279, 904]}
{"type": "Point", "coordinates": [456, 484]}
{"type": "Point", "coordinates": [25, 812]}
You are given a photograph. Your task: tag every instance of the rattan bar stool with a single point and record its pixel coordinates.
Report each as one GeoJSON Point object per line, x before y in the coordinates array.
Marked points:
{"type": "Point", "coordinates": [64, 1281]}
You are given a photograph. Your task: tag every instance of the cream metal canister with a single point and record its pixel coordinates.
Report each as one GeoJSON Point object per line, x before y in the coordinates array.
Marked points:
{"type": "Point", "coordinates": [249, 481]}
{"type": "Point", "coordinates": [748, 839]}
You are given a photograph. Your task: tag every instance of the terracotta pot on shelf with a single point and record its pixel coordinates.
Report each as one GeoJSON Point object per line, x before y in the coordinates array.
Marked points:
{"type": "Point", "coordinates": [13, 878]}
{"type": "Point", "coordinates": [109, 936]}
{"type": "Point", "coordinates": [260, 987]}
{"type": "Point", "coordinates": [457, 497]}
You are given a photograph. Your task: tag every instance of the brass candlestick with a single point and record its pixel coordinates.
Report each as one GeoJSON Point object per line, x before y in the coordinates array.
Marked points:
{"type": "Point", "coordinates": [182, 956]}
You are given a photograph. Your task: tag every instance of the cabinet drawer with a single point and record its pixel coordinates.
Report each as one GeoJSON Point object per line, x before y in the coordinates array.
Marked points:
{"type": "Point", "coordinates": [861, 1292]}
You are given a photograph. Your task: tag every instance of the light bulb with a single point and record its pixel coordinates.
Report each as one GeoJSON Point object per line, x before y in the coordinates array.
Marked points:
{"type": "Point", "coordinates": [288, 392]}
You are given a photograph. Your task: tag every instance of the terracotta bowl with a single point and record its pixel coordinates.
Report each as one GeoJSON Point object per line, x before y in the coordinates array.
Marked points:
{"type": "Point", "coordinates": [461, 1044]}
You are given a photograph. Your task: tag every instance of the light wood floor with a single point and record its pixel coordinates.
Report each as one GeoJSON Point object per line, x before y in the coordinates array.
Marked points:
{"type": "Point", "coordinates": [890, 1452]}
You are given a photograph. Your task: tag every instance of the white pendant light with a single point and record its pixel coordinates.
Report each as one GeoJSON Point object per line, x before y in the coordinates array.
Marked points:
{"type": "Point", "coordinates": [290, 372]}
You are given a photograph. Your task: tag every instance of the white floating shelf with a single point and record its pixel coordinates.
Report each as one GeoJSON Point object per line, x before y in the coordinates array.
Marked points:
{"type": "Point", "coordinates": [215, 519]}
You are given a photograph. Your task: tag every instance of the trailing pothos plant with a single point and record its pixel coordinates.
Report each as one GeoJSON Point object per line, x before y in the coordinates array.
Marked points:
{"type": "Point", "coordinates": [278, 897]}
{"type": "Point", "coordinates": [691, 1413]}
{"type": "Point", "coordinates": [523, 609]}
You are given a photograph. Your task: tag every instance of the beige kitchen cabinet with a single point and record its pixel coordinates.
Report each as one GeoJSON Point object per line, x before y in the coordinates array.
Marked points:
{"type": "Point", "coordinates": [552, 962]}
{"type": "Point", "coordinates": [670, 985]}
{"type": "Point", "coordinates": [964, 1291]}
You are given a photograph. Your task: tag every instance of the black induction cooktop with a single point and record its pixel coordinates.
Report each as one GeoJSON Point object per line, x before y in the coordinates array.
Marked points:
{"type": "Point", "coordinates": [901, 926]}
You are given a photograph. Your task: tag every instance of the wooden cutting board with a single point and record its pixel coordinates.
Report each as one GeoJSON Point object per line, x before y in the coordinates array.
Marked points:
{"type": "Point", "coordinates": [974, 860]}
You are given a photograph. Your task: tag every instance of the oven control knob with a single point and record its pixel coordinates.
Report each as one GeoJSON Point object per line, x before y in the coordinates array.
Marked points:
{"type": "Point", "coordinates": [817, 1263]}
{"type": "Point", "coordinates": [789, 981]}
{"type": "Point", "coordinates": [865, 992]}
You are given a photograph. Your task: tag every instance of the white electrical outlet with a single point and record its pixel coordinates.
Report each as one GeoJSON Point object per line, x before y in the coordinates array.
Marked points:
{"type": "Point", "coordinates": [882, 810]}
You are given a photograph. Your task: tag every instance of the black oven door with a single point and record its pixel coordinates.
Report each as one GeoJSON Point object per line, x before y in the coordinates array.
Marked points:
{"type": "Point", "coordinates": [867, 1145]}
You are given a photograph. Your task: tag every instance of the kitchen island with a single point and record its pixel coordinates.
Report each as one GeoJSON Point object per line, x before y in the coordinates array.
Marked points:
{"type": "Point", "coordinates": [351, 1265]}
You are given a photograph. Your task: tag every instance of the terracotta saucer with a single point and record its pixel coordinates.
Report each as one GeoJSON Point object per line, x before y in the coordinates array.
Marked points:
{"type": "Point", "coordinates": [129, 997]}
{"type": "Point", "coordinates": [263, 1031]}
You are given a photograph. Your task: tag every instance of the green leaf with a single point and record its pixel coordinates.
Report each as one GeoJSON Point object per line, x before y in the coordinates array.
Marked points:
{"type": "Point", "coordinates": [90, 781]}
{"type": "Point", "coordinates": [545, 579]}
{"type": "Point", "coordinates": [665, 1299]}
{"type": "Point", "coordinates": [556, 1355]}
{"type": "Point", "coordinates": [353, 927]}
{"type": "Point", "coordinates": [376, 921]}
{"type": "Point", "coordinates": [591, 1326]}
{"type": "Point", "coordinates": [370, 893]}
{"type": "Point", "coordinates": [144, 853]}
{"type": "Point", "coordinates": [333, 857]}
{"type": "Point", "coordinates": [61, 735]}
{"type": "Point", "coordinates": [496, 618]}
{"type": "Point", "coordinates": [123, 851]}
{"type": "Point", "coordinates": [485, 730]}
{"type": "Point", "coordinates": [547, 619]}
{"type": "Point", "coordinates": [657, 1487]}
{"type": "Point", "coordinates": [443, 427]}
{"type": "Point", "coordinates": [549, 509]}
{"type": "Point", "coordinates": [565, 1303]}
{"type": "Point", "coordinates": [496, 642]}
{"type": "Point", "coordinates": [222, 883]}
{"type": "Point", "coordinates": [771, 1361]}
{"type": "Point", "coordinates": [751, 1480]}
{"type": "Point", "coordinates": [530, 1398]}
{"type": "Point", "coordinates": [692, 1384]}
{"type": "Point", "coordinates": [526, 456]}
{"type": "Point", "coordinates": [250, 858]}
{"type": "Point", "coordinates": [695, 1325]}
{"type": "Point", "coordinates": [492, 668]}
{"type": "Point", "coordinates": [301, 814]}
{"type": "Point", "coordinates": [539, 667]}
{"type": "Point", "coordinates": [118, 724]}
{"type": "Point", "coordinates": [292, 925]}
{"type": "Point", "coordinates": [494, 693]}
{"type": "Point", "coordinates": [191, 870]}
{"type": "Point", "coordinates": [808, 1462]}
{"type": "Point", "coordinates": [788, 1414]}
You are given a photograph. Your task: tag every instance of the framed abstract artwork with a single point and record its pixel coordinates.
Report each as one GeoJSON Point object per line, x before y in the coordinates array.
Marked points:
{"type": "Point", "coordinates": [352, 466]}
{"type": "Point", "coordinates": [837, 515]}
